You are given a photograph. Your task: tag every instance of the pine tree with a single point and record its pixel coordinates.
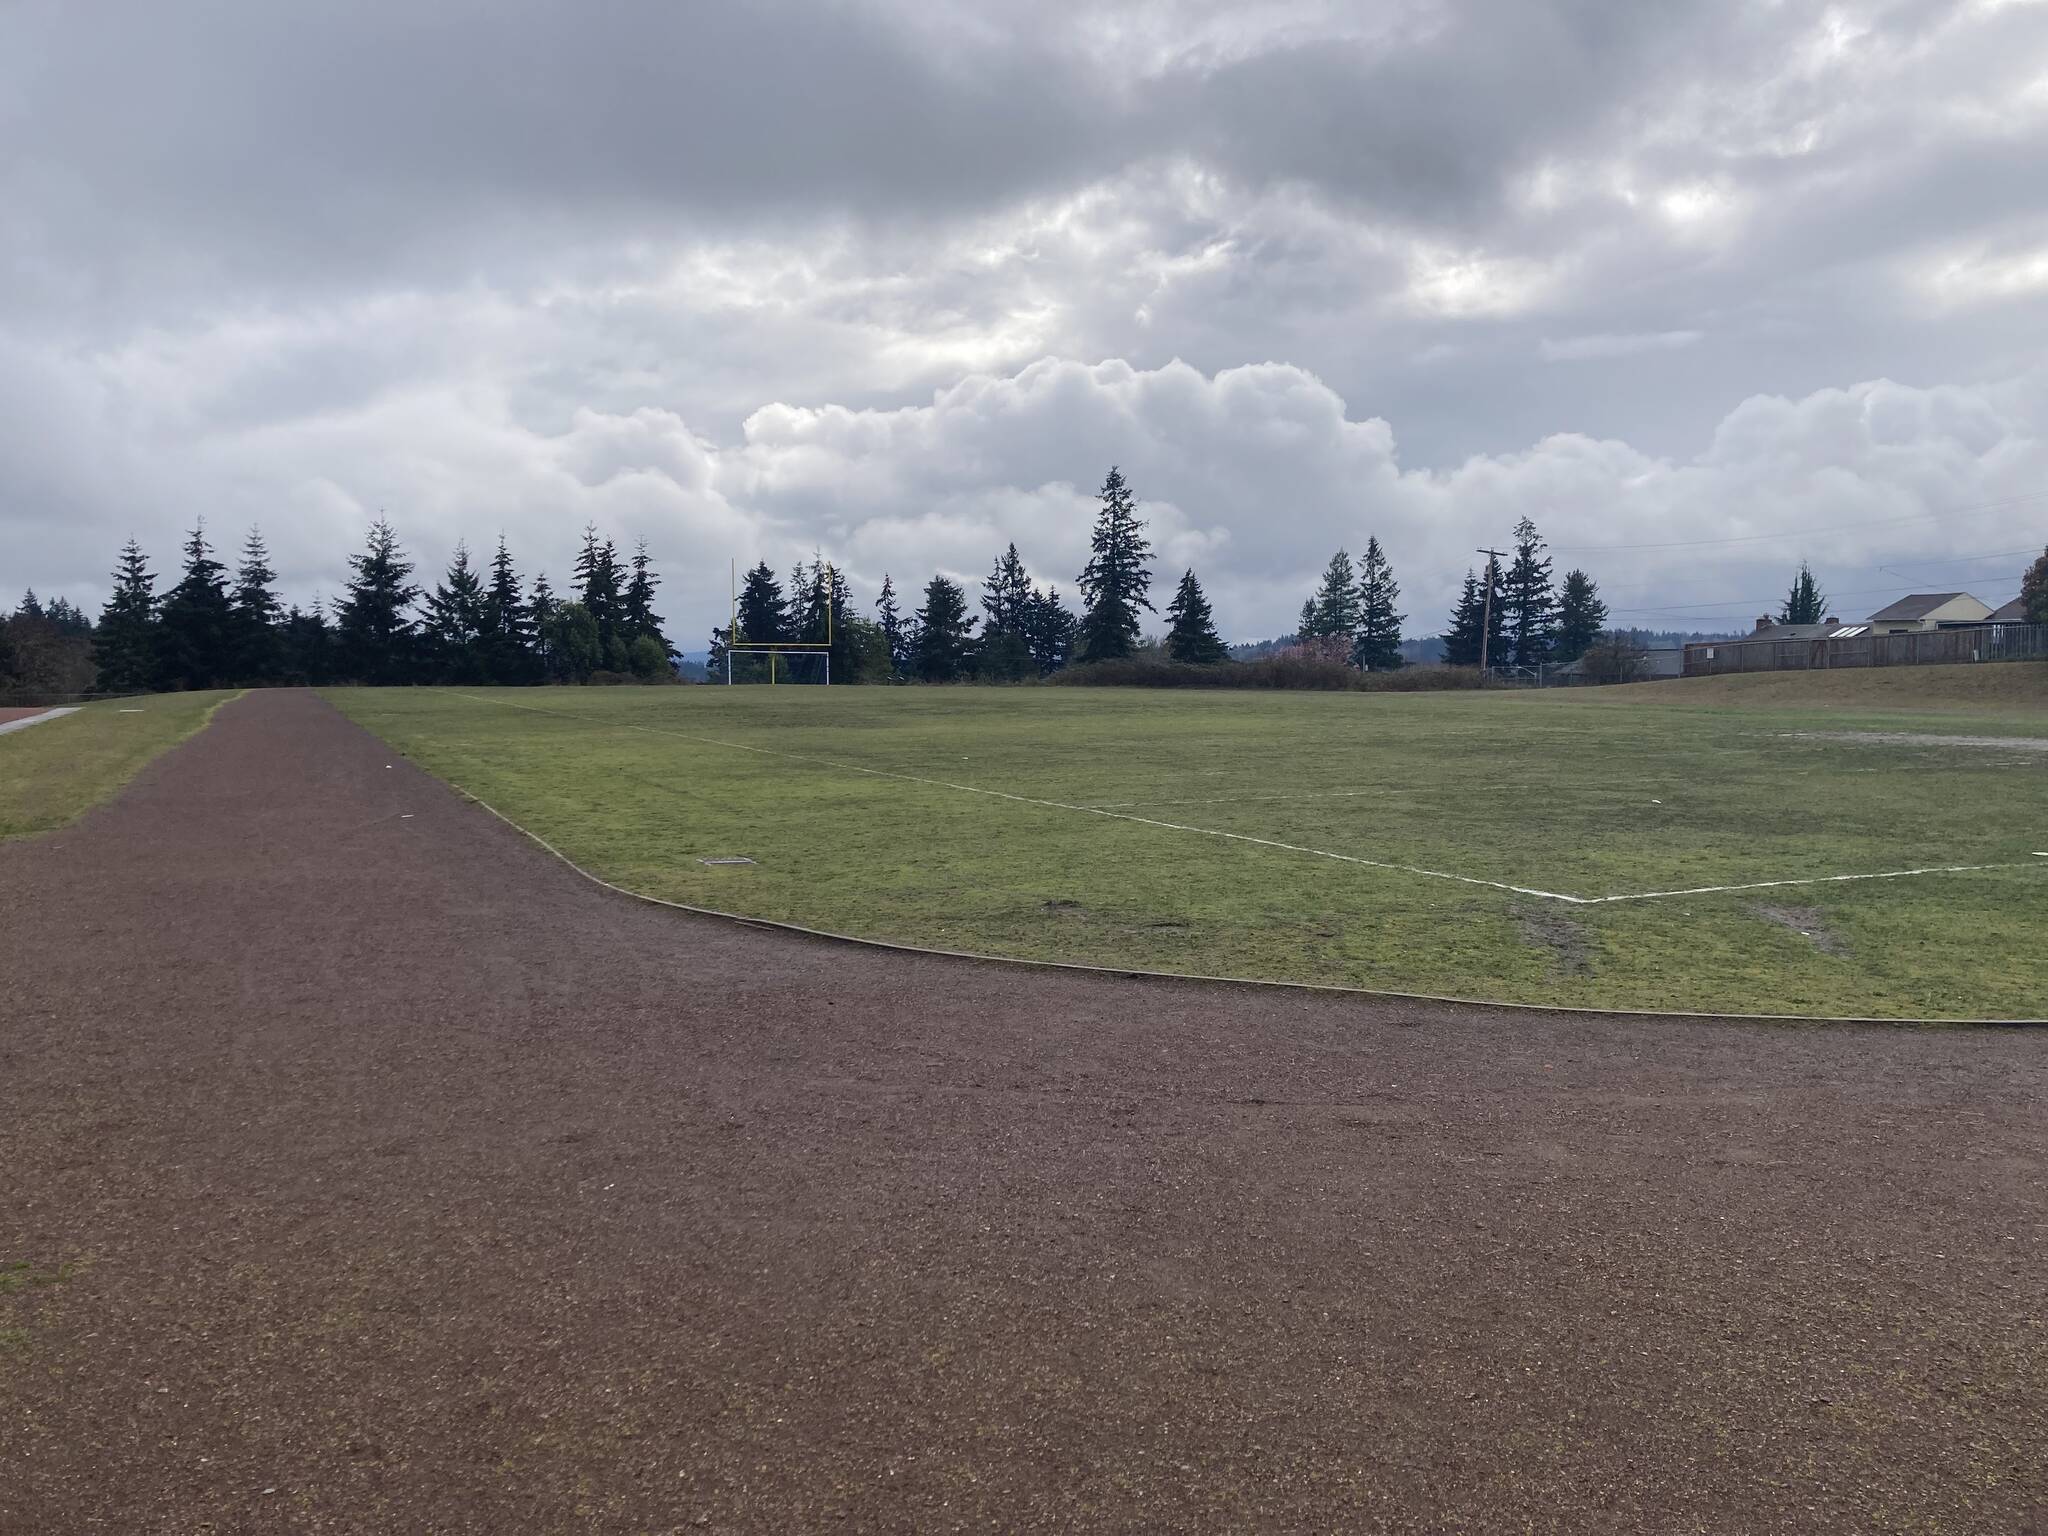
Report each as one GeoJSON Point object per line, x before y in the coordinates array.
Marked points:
{"type": "Point", "coordinates": [454, 631]}
{"type": "Point", "coordinates": [2034, 591]}
{"type": "Point", "coordinates": [375, 632]}
{"type": "Point", "coordinates": [945, 632]}
{"type": "Point", "coordinates": [1462, 640]}
{"type": "Point", "coordinates": [541, 608]}
{"type": "Point", "coordinates": [1118, 576]}
{"type": "Point", "coordinates": [892, 628]}
{"type": "Point", "coordinates": [1334, 608]}
{"type": "Point", "coordinates": [1051, 630]}
{"type": "Point", "coordinates": [597, 579]}
{"type": "Point", "coordinates": [763, 617]}
{"type": "Point", "coordinates": [126, 643]}
{"type": "Point", "coordinates": [1377, 647]}
{"type": "Point", "coordinates": [1529, 620]}
{"type": "Point", "coordinates": [1805, 603]}
{"type": "Point", "coordinates": [637, 604]}
{"type": "Point", "coordinates": [257, 615]}
{"type": "Point", "coordinates": [508, 633]}
{"type": "Point", "coordinates": [1192, 636]}
{"type": "Point", "coordinates": [1580, 616]}
{"type": "Point", "coordinates": [198, 642]}
{"type": "Point", "coordinates": [714, 660]}
{"type": "Point", "coordinates": [807, 600]}
{"type": "Point", "coordinates": [307, 646]}
{"type": "Point", "coordinates": [1305, 626]}
{"type": "Point", "coordinates": [1006, 600]}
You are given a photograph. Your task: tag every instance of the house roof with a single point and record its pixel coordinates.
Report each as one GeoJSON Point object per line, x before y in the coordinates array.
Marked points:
{"type": "Point", "coordinates": [2011, 613]}
{"type": "Point", "coordinates": [1918, 606]}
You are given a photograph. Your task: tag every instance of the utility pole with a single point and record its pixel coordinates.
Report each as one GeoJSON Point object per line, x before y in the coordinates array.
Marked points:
{"type": "Point", "coordinates": [1486, 617]}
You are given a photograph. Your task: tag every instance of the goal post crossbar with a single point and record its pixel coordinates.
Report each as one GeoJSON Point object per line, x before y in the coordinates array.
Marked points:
{"type": "Point", "coordinates": [773, 651]}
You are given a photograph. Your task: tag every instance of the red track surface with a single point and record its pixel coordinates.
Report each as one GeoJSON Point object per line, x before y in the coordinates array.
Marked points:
{"type": "Point", "coordinates": [374, 1173]}
{"type": "Point", "coordinates": [13, 712]}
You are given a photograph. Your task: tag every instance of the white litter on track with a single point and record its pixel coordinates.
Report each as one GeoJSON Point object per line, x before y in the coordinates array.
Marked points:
{"type": "Point", "coordinates": [1241, 837]}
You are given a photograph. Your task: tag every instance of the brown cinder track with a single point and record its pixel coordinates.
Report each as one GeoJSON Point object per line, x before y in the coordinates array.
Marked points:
{"type": "Point", "coordinates": [375, 1173]}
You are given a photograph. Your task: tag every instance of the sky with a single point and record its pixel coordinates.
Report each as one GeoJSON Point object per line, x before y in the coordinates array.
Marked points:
{"type": "Point", "coordinates": [1702, 287]}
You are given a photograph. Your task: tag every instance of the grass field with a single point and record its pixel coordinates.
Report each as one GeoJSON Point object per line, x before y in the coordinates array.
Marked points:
{"type": "Point", "coordinates": [55, 772]}
{"type": "Point", "coordinates": [1083, 825]}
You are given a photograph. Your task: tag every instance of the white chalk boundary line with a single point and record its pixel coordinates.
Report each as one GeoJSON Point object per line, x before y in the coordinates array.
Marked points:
{"type": "Point", "coordinates": [1239, 837]}
{"type": "Point", "coordinates": [48, 714]}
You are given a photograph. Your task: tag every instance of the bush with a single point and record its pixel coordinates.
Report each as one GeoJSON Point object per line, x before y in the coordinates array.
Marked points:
{"type": "Point", "coordinates": [1298, 672]}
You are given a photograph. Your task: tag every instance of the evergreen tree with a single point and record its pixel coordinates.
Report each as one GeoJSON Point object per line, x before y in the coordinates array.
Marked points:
{"type": "Point", "coordinates": [1334, 608]}
{"type": "Point", "coordinates": [2034, 591]}
{"type": "Point", "coordinates": [893, 629]}
{"type": "Point", "coordinates": [1192, 636]}
{"type": "Point", "coordinates": [945, 632]}
{"type": "Point", "coordinates": [1462, 640]}
{"type": "Point", "coordinates": [126, 644]}
{"type": "Point", "coordinates": [1529, 621]}
{"type": "Point", "coordinates": [763, 617]}
{"type": "Point", "coordinates": [1051, 630]}
{"type": "Point", "coordinates": [257, 615]}
{"type": "Point", "coordinates": [714, 661]}
{"type": "Point", "coordinates": [1006, 600]}
{"type": "Point", "coordinates": [541, 608]}
{"type": "Point", "coordinates": [198, 640]}
{"type": "Point", "coordinates": [1580, 616]}
{"type": "Point", "coordinates": [454, 631]}
{"type": "Point", "coordinates": [1118, 576]}
{"type": "Point", "coordinates": [637, 604]}
{"type": "Point", "coordinates": [375, 634]}
{"type": "Point", "coordinates": [508, 633]}
{"type": "Point", "coordinates": [853, 651]}
{"type": "Point", "coordinates": [307, 646]}
{"type": "Point", "coordinates": [575, 649]}
{"type": "Point", "coordinates": [1377, 647]}
{"type": "Point", "coordinates": [1305, 626]}
{"type": "Point", "coordinates": [1805, 603]}
{"type": "Point", "coordinates": [597, 578]}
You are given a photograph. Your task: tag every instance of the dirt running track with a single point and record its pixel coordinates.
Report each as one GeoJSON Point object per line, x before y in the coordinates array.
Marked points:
{"type": "Point", "coordinates": [377, 1174]}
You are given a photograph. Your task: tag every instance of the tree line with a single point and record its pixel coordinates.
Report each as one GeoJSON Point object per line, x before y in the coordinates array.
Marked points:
{"type": "Point", "coordinates": [216, 628]}
{"type": "Point", "coordinates": [1517, 617]}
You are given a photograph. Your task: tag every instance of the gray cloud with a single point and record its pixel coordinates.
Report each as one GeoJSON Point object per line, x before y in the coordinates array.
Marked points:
{"type": "Point", "coordinates": [758, 278]}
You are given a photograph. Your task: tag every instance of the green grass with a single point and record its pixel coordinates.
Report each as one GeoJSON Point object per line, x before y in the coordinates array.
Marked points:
{"type": "Point", "coordinates": [53, 773]}
{"type": "Point", "coordinates": [1588, 793]}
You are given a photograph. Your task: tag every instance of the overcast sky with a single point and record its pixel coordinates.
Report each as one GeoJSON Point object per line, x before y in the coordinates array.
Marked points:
{"type": "Point", "coordinates": [1702, 286]}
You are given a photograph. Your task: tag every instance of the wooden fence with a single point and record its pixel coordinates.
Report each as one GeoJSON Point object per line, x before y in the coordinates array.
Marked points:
{"type": "Point", "coordinates": [1927, 648]}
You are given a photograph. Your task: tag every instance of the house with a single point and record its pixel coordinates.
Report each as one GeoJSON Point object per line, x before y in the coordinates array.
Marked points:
{"type": "Point", "coordinates": [1768, 628]}
{"type": "Point", "coordinates": [2012, 613]}
{"type": "Point", "coordinates": [1603, 665]}
{"type": "Point", "coordinates": [1929, 610]}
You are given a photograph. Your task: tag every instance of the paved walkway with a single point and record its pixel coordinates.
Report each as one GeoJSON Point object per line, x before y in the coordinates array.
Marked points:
{"type": "Point", "coordinates": [365, 1170]}
{"type": "Point", "coordinates": [22, 719]}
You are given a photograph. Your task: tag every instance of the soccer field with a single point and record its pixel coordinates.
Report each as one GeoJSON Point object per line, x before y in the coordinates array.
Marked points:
{"type": "Point", "coordinates": [1870, 845]}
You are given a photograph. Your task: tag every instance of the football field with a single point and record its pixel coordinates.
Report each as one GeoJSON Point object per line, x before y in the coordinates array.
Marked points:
{"type": "Point", "coordinates": [1850, 844]}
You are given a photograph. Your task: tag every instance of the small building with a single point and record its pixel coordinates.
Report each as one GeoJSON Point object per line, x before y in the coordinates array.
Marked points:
{"type": "Point", "coordinates": [1929, 610]}
{"type": "Point", "coordinates": [2010, 613]}
{"type": "Point", "coordinates": [1768, 628]}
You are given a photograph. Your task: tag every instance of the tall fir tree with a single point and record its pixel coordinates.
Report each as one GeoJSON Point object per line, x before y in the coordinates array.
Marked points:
{"type": "Point", "coordinates": [257, 615]}
{"type": "Point", "coordinates": [1805, 603]}
{"type": "Point", "coordinates": [307, 646]}
{"type": "Point", "coordinates": [1051, 630]}
{"type": "Point", "coordinates": [763, 613]}
{"type": "Point", "coordinates": [126, 643]}
{"type": "Point", "coordinates": [1529, 622]}
{"type": "Point", "coordinates": [1191, 636]}
{"type": "Point", "coordinates": [375, 634]}
{"type": "Point", "coordinates": [454, 631]}
{"type": "Point", "coordinates": [890, 616]}
{"type": "Point", "coordinates": [1006, 602]}
{"type": "Point", "coordinates": [1118, 576]}
{"type": "Point", "coordinates": [1580, 616]}
{"type": "Point", "coordinates": [198, 637]}
{"type": "Point", "coordinates": [599, 588]}
{"type": "Point", "coordinates": [507, 642]}
{"type": "Point", "coordinates": [637, 602]}
{"type": "Point", "coordinates": [541, 607]}
{"type": "Point", "coordinates": [1333, 611]}
{"type": "Point", "coordinates": [945, 632]}
{"type": "Point", "coordinates": [1462, 645]}
{"type": "Point", "coordinates": [1377, 643]}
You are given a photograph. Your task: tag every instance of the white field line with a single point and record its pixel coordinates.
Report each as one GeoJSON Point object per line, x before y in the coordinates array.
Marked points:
{"type": "Point", "coordinates": [1239, 837]}
{"type": "Point", "coordinates": [28, 720]}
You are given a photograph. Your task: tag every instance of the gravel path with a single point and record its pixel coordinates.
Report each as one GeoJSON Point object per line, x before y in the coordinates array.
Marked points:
{"type": "Point", "coordinates": [365, 1170]}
